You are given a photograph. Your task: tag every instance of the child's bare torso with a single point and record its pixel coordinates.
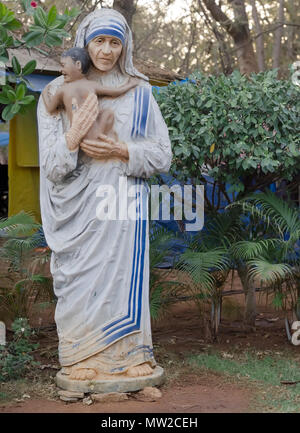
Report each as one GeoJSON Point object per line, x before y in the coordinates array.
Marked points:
{"type": "Point", "coordinates": [79, 89]}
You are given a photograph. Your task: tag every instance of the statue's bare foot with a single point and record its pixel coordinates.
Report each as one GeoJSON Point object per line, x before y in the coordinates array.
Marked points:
{"type": "Point", "coordinates": [140, 370]}
{"type": "Point", "coordinates": [83, 374]}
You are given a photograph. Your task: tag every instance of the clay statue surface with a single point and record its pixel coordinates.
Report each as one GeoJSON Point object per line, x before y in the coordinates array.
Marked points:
{"type": "Point", "coordinates": [100, 266]}
{"type": "Point", "coordinates": [76, 88]}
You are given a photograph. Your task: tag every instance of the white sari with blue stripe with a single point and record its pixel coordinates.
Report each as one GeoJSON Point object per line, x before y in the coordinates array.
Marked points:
{"type": "Point", "coordinates": [101, 268]}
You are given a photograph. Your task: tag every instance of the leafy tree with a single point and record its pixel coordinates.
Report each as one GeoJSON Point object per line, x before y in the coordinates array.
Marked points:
{"type": "Point", "coordinates": [243, 133]}
{"type": "Point", "coordinates": [235, 135]}
{"type": "Point", "coordinates": [43, 28]}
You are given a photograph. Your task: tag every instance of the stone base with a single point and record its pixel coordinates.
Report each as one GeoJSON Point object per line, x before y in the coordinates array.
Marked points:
{"type": "Point", "coordinates": [119, 384]}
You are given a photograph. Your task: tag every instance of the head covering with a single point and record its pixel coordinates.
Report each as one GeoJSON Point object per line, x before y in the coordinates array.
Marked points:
{"type": "Point", "coordinates": [105, 26]}
{"type": "Point", "coordinates": [109, 22]}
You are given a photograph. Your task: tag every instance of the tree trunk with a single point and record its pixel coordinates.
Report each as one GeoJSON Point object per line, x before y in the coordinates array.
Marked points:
{"type": "Point", "coordinates": [246, 56]}
{"type": "Point", "coordinates": [238, 30]}
{"type": "Point", "coordinates": [260, 49]}
{"type": "Point", "coordinates": [278, 35]}
{"type": "Point", "coordinates": [293, 32]}
{"type": "Point", "coordinates": [226, 58]}
{"type": "Point", "coordinates": [126, 8]}
{"type": "Point", "coordinates": [250, 298]}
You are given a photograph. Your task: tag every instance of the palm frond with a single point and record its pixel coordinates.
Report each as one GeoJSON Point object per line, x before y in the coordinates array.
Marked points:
{"type": "Point", "coordinates": [22, 223]}
{"type": "Point", "coordinates": [283, 216]}
{"type": "Point", "coordinates": [14, 250]}
{"type": "Point", "coordinates": [219, 231]}
{"type": "Point", "coordinates": [156, 302]}
{"type": "Point", "coordinates": [269, 272]}
{"type": "Point", "coordinates": [247, 250]}
{"type": "Point", "coordinates": [200, 265]}
{"type": "Point", "coordinates": [159, 239]}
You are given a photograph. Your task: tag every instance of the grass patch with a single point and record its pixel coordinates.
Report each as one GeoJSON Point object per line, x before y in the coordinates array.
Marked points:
{"type": "Point", "coordinates": [266, 371]}
{"type": "Point", "coordinates": [41, 386]}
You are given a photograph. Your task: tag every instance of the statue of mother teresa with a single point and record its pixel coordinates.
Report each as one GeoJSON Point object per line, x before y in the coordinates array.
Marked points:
{"type": "Point", "coordinates": [100, 266]}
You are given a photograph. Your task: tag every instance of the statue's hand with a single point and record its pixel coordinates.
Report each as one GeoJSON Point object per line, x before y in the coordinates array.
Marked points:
{"type": "Point", "coordinates": [105, 148]}
{"type": "Point", "coordinates": [82, 120]}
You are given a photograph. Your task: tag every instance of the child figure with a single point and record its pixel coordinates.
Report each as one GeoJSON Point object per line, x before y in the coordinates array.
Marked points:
{"type": "Point", "coordinates": [75, 64]}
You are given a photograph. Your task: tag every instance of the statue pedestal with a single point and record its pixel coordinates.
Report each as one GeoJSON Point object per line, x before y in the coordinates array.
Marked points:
{"type": "Point", "coordinates": [119, 384]}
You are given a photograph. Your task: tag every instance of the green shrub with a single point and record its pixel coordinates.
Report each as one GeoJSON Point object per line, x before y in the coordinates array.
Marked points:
{"type": "Point", "coordinates": [240, 131]}
{"type": "Point", "coordinates": [16, 358]}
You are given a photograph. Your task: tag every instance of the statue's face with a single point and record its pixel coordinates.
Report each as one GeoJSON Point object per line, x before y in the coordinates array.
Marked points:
{"type": "Point", "coordinates": [104, 52]}
{"type": "Point", "coordinates": [70, 70]}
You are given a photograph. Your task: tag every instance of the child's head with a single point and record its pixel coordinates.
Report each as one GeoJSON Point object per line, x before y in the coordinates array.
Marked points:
{"type": "Point", "coordinates": [75, 63]}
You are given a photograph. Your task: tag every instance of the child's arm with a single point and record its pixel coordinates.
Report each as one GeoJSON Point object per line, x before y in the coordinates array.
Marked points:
{"type": "Point", "coordinates": [52, 102]}
{"type": "Point", "coordinates": [112, 91]}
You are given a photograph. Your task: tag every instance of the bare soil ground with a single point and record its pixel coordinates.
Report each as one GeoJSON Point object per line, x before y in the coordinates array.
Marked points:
{"type": "Point", "coordinates": [175, 337]}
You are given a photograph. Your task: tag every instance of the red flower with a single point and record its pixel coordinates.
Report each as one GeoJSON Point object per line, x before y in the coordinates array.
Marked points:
{"type": "Point", "coordinates": [33, 4]}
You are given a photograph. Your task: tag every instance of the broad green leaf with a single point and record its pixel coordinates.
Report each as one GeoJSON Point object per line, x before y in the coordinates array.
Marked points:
{"type": "Point", "coordinates": [40, 17]}
{"type": "Point", "coordinates": [20, 91]}
{"type": "Point", "coordinates": [27, 100]}
{"type": "Point", "coordinates": [60, 22]}
{"type": "Point", "coordinates": [60, 32]}
{"type": "Point", "coordinates": [52, 39]}
{"type": "Point", "coordinates": [3, 35]}
{"type": "Point", "coordinates": [29, 67]}
{"type": "Point", "coordinates": [11, 95]}
{"type": "Point", "coordinates": [34, 38]}
{"type": "Point", "coordinates": [7, 18]}
{"type": "Point", "coordinates": [7, 114]}
{"type": "Point", "coordinates": [15, 108]}
{"type": "Point", "coordinates": [51, 16]}
{"type": "Point", "coordinates": [16, 65]}
{"type": "Point", "coordinates": [14, 25]}
{"type": "Point", "coordinates": [4, 100]}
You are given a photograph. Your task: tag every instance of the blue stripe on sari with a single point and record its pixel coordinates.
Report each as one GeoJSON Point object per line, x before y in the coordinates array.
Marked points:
{"type": "Point", "coordinates": [141, 112]}
{"type": "Point", "coordinates": [134, 273]}
{"type": "Point", "coordinates": [135, 322]}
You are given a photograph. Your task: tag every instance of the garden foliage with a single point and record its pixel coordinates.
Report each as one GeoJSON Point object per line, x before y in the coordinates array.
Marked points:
{"type": "Point", "coordinates": [44, 28]}
{"type": "Point", "coordinates": [16, 358]}
{"type": "Point", "coordinates": [22, 236]}
{"type": "Point", "coordinates": [241, 131]}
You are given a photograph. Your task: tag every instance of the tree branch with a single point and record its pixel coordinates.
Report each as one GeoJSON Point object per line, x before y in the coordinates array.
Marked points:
{"type": "Point", "coordinates": [221, 17]}
{"type": "Point", "coordinates": [227, 63]}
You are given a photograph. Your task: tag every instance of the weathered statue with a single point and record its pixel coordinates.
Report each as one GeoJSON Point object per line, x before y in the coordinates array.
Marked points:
{"type": "Point", "coordinates": [100, 267]}
{"type": "Point", "coordinates": [76, 88]}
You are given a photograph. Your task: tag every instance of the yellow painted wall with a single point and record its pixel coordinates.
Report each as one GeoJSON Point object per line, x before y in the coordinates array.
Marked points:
{"type": "Point", "coordinates": [23, 165]}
